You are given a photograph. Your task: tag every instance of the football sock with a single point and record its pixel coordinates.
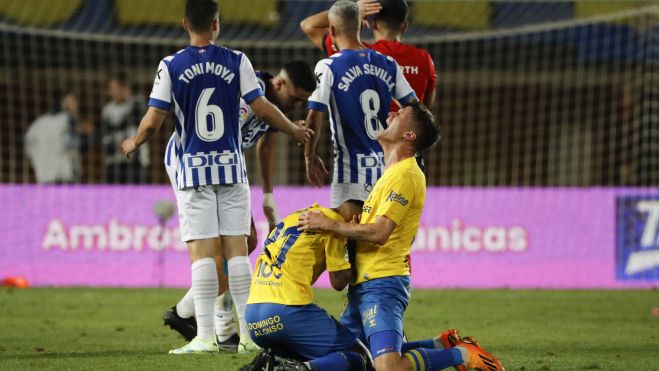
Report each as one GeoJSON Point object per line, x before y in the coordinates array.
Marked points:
{"type": "Point", "coordinates": [340, 361]}
{"type": "Point", "coordinates": [204, 291]}
{"type": "Point", "coordinates": [427, 344]}
{"type": "Point", "coordinates": [240, 278]}
{"type": "Point", "coordinates": [185, 307]}
{"type": "Point", "coordinates": [224, 325]}
{"type": "Point", "coordinates": [434, 359]}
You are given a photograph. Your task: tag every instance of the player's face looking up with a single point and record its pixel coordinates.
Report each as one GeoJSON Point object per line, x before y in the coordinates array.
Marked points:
{"type": "Point", "coordinates": [400, 125]}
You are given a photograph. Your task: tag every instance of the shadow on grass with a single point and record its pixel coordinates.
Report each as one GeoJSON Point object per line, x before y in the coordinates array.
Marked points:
{"type": "Point", "coordinates": [53, 355]}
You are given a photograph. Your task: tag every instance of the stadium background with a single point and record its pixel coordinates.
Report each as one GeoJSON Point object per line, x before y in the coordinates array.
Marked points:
{"type": "Point", "coordinates": [546, 177]}
{"type": "Point", "coordinates": [549, 159]}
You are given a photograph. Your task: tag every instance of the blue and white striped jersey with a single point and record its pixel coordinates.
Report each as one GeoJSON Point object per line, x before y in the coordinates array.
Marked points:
{"type": "Point", "coordinates": [205, 85]}
{"type": "Point", "coordinates": [357, 87]}
{"type": "Point", "coordinates": [251, 127]}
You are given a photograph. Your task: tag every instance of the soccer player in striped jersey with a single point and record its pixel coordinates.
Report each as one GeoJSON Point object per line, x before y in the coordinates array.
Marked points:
{"type": "Point", "coordinates": [203, 83]}
{"type": "Point", "coordinates": [355, 86]}
{"type": "Point", "coordinates": [289, 88]}
{"type": "Point", "coordinates": [379, 294]}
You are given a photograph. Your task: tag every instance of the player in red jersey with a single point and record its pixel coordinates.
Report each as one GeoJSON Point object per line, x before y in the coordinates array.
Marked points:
{"type": "Point", "coordinates": [389, 23]}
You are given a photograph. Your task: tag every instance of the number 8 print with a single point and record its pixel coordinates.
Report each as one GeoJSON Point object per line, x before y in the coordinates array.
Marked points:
{"type": "Point", "coordinates": [371, 106]}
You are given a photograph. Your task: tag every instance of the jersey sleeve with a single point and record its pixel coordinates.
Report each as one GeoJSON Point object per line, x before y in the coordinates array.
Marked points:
{"type": "Point", "coordinates": [402, 91]}
{"type": "Point", "coordinates": [432, 73]}
{"type": "Point", "coordinates": [396, 198]}
{"type": "Point", "coordinates": [320, 98]}
{"type": "Point", "coordinates": [161, 93]}
{"type": "Point", "coordinates": [249, 83]}
{"type": "Point", "coordinates": [336, 254]}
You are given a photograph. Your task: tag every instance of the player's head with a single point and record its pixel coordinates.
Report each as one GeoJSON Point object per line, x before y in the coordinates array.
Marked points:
{"type": "Point", "coordinates": [201, 17]}
{"type": "Point", "coordinates": [392, 17]}
{"type": "Point", "coordinates": [118, 87]}
{"type": "Point", "coordinates": [65, 101]}
{"type": "Point", "coordinates": [413, 125]}
{"type": "Point", "coordinates": [293, 85]}
{"type": "Point", "coordinates": [344, 20]}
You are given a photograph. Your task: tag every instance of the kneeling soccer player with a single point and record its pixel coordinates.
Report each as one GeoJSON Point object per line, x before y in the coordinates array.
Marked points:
{"type": "Point", "coordinates": [280, 314]}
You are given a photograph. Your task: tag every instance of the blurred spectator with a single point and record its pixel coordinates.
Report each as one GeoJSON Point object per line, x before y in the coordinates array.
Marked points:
{"type": "Point", "coordinates": [52, 142]}
{"type": "Point", "coordinates": [119, 119]}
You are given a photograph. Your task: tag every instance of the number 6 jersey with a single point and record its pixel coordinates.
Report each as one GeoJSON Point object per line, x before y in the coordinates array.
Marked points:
{"type": "Point", "coordinates": [205, 85]}
{"type": "Point", "coordinates": [357, 87]}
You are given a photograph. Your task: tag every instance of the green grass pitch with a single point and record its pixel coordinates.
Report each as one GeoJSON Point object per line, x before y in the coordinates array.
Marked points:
{"type": "Point", "coordinates": [121, 329]}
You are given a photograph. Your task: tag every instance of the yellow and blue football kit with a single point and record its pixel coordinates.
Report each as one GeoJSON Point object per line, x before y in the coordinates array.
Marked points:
{"type": "Point", "coordinates": [379, 296]}
{"type": "Point", "coordinates": [280, 314]}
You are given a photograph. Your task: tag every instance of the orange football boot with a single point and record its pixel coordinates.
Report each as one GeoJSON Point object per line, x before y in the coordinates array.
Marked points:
{"type": "Point", "coordinates": [449, 338]}
{"type": "Point", "coordinates": [478, 358]}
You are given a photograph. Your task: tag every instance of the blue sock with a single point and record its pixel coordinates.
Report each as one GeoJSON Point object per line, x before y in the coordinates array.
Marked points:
{"type": "Point", "coordinates": [427, 344]}
{"type": "Point", "coordinates": [434, 359]}
{"type": "Point", "coordinates": [340, 361]}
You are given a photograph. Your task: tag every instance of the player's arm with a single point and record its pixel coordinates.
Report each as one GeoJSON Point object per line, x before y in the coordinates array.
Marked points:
{"type": "Point", "coordinates": [269, 113]}
{"type": "Point", "coordinates": [150, 124]}
{"type": "Point", "coordinates": [318, 105]}
{"type": "Point", "coordinates": [265, 154]}
{"type": "Point", "coordinates": [431, 92]}
{"type": "Point", "coordinates": [340, 279]}
{"type": "Point", "coordinates": [316, 170]}
{"type": "Point", "coordinates": [316, 27]}
{"type": "Point", "coordinates": [377, 232]}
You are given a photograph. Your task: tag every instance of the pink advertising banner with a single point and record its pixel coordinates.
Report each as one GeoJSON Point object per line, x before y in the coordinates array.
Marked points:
{"type": "Point", "coordinates": [468, 238]}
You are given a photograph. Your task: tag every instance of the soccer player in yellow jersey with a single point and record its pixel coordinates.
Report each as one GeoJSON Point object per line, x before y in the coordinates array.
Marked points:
{"type": "Point", "coordinates": [390, 217]}
{"type": "Point", "coordinates": [280, 312]}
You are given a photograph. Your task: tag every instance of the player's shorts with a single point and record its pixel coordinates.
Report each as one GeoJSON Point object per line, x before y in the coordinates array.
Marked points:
{"type": "Point", "coordinates": [297, 331]}
{"type": "Point", "coordinates": [214, 210]}
{"type": "Point", "coordinates": [342, 192]}
{"type": "Point", "coordinates": [376, 306]}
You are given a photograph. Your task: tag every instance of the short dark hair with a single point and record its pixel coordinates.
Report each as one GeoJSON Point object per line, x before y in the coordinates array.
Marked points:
{"type": "Point", "coordinates": [393, 13]}
{"type": "Point", "coordinates": [120, 77]}
{"type": "Point", "coordinates": [200, 14]}
{"type": "Point", "coordinates": [429, 132]}
{"type": "Point", "coordinates": [301, 75]}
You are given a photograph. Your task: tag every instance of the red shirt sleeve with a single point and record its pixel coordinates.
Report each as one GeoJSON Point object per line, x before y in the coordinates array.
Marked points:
{"type": "Point", "coordinates": [328, 46]}
{"type": "Point", "coordinates": [432, 74]}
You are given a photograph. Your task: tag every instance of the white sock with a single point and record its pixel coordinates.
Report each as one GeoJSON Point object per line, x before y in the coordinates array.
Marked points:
{"type": "Point", "coordinates": [225, 327]}
{"type": "Point", "coordinates": [204, 291]}
{"type": "Point", "coordinates": [240, 279]}
{"type": "Point", "coordinates": [185, 307]}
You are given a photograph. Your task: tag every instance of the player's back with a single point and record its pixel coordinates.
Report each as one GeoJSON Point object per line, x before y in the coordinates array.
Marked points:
{"type": "Point", "coordinates": [292, 261]}
{"type": "Point", "coordinates": [416, 64]}
{"type": "Point", "coordinates": [361, 83]}
{"type": "Point", "coordinates": [206, 86]}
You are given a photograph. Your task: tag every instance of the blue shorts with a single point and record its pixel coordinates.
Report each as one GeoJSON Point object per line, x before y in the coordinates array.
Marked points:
{"type": "Point", "coordinates": [297, 331]}
{"type": "Point", "coordinates": [376, 306]}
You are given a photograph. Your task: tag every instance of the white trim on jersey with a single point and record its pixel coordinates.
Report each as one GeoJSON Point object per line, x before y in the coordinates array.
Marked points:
{"type": "Point", "coordinates": [337, 132]}
{"type": "Point", "coordinates": [162, 85]}
{"type": "Point", "coordinates": [180, 178]}
{"type": "Point", "coordinates": [402, 88]}
{"type": "Point", "coordinates": [248, 80]}
{"type": "Point", "coordinates": [325, 79]}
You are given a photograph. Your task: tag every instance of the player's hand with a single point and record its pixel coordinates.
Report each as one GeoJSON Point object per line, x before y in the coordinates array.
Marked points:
{"type": "Point", "coordinates": [368, 8]}
{"type": "Point", "coordinates": [316, 170]}
{"type": "Point", "coordinates": [128, 146]}
{"type": "Point", "coordinates": [270, 211]}
{"type": "Point", "coordinates": [315, 221]}
{"type": "Point", "coordinates": [301, 133]}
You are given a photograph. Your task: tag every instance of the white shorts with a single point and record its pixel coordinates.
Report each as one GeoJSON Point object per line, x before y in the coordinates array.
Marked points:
{"type": "Point", "coordinates": [214, 210]}
{"type": "Point", "coordinates": [342, 192]}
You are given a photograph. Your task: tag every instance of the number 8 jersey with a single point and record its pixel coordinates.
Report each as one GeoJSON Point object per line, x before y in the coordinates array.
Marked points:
{"type": "Point", "coordinates": [357, 87]}
{"type": "Point", "coordinates": [205, 85]}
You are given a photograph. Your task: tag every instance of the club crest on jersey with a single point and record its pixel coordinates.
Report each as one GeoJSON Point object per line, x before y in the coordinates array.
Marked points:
{"type": "Point", "coordinates": [397, 197]}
